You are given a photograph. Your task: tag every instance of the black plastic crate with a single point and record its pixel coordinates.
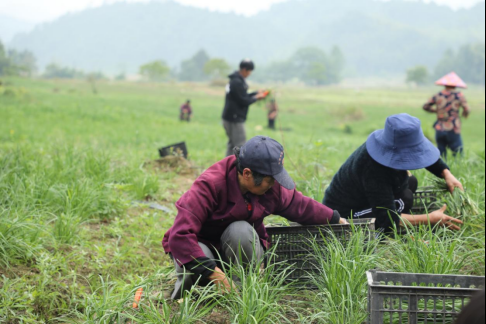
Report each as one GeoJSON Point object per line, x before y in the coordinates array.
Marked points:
{"type": "Point", "coordinates": [406, 298]}
{"type": "Point", "coordinates": [425, 199]}
{"type": "Point", "coordinates": [179, 149]}
{"type": "Point", "coordinates": [293, 243]}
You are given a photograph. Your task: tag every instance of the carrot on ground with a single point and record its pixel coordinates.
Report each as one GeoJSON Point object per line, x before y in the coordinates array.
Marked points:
{"type": "Point", "coordinates": [138, 297]}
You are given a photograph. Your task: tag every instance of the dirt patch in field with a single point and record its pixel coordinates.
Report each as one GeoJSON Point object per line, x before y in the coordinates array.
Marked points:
{"type": "Point", "coordinates": [169, 162]}
{"type": "Point", "coordinates": [179, 172]}
{"type": "Point", "coordinates": [175, 164]}
{"type": "Point", "coordinates": [19, 271]}
{"type": "Point", "coordinates": [218, 316]}
{"type": "Point", "coordinates": [350, 114]}
{"type": "Point", "coordinates": [295, 111]}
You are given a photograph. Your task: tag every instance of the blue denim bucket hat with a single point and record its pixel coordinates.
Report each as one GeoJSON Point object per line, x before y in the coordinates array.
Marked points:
{"type": "Point", "coordinates": [402, 145]}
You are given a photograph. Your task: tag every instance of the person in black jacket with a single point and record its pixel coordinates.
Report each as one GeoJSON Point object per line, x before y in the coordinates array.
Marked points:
{"type": "Point", "coordinates": [237, 104]}
{"type": "Point", "coordinates": [375, 181]}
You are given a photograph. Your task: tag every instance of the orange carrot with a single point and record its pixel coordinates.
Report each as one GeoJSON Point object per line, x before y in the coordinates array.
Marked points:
{"type": "Point", "coordinates": [138, 297]}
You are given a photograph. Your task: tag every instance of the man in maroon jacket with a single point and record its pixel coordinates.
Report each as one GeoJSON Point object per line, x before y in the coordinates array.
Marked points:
{"type": "Point", "coordinates": [186, 111]}
{"type": "Point", "coordinates": [223, 213]}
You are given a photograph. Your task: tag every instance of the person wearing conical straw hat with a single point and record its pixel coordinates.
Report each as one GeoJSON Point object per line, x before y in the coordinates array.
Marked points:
{"type": "Point", "coordinates": [447, 104]}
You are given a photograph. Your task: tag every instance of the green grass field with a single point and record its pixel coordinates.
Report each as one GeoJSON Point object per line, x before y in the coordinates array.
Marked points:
{"type": "Point", "coordinates": [74, 246]}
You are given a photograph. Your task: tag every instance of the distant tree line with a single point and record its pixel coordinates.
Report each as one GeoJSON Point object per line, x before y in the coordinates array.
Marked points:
{"type": "Point", "coordinates": [200, 67]}
{"type": "Point", "coordinates": [57, 71]}
{"type": "Point", "coordinates": [155, 71]}
{"type": "Point", "coordinates": [310, 65]}
{"type": "Point", "coordinates": [17, 63]}
{"type": "Point", "coordinates": [469, 61]}
{"type": "Point", "coordinates": [24, 63]}
{"type": "Point", "coordinates": [419, 75]}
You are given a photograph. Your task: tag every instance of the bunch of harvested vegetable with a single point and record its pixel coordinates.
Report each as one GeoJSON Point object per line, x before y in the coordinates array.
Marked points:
{"type": "Point", "coordinates": [459, 204]}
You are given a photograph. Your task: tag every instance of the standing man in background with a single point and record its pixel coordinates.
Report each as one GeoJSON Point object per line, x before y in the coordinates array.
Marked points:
{"type": "Point", "coordinates": [447, 105]}
{"type": "Point", "coordinates": [237, 104]}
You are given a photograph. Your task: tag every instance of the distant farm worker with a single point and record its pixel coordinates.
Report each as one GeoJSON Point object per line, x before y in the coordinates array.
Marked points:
{"type": "Point", "coordinates": [237, 104]}
{"type": "Point", "coordinates": [222, 214]}
{"type": "Point", "coordinates": [447, 105]}
{"type": "Point", "coordinates": [186, 111]}
{"type": "Point", "coordinates": [272, 113]}
{"type": "Point", "coordinates": [375, 181]}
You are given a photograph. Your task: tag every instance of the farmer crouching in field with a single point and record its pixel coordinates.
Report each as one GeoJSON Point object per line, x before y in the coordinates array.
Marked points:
{"type": "Point", "coordinates": [186, 111]}
{"type": "Point", "coordinates": [447, 105]}
{"type": "Point", "coordinates": [374, 181]}
{"type": "Point", "coordinates": [223, 212]}
{"type": "Point", "coordinates": [237, 104]}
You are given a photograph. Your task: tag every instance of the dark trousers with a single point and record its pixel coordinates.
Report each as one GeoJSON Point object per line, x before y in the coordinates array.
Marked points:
{"type": "Point", "coordinates": [403, 200]}
{"type": "Point", "coordinates": [240, 245]}
{"type": "Point", "coordinates": [271, 123]}
{"type": "Point", "coordinates": [450, 140]}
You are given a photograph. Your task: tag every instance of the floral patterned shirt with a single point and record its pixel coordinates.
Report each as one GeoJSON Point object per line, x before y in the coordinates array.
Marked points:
{"type": "Point", "coordinates": [447, 105]}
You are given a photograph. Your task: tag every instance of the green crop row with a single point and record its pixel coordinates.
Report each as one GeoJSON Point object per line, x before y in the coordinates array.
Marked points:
{"type": "Point", "coordinates": [77, 239]}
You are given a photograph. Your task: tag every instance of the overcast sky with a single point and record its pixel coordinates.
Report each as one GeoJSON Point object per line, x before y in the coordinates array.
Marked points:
{"type": "Point", "coordinates": [44, 10]}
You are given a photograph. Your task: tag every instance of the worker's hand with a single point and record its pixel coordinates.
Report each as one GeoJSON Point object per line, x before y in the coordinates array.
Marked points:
{"type": "Point", "coordinates": [452, 182]}
{"type": "Point", "coordinates": [221, 281]}
{"type": "Point", "coordinates": [261, 95]}
{"type": "Point", "coordinates": [439, 217]}
{"type": "Point", "coordinates": [343, 221]}
{"type": "Point", "coordinates": [466, 113]}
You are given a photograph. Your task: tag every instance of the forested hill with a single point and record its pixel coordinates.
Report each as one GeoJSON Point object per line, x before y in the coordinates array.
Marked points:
{"type": "Point", "coordinates": [376, 37]}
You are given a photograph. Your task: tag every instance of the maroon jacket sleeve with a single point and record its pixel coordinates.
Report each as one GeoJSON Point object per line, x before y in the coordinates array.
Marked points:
{"type": "Point", "coordinates": [194, 208]}
{"type": "Point", "coordinates": [303, 210]}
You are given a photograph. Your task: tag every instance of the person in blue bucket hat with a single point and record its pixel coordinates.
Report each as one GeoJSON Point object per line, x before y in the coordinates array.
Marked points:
{"type": "Point", "coordinates": [375, 182]}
